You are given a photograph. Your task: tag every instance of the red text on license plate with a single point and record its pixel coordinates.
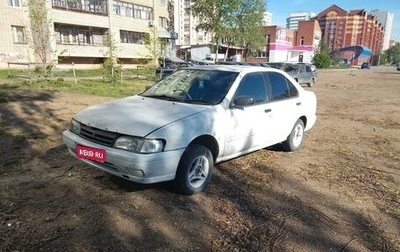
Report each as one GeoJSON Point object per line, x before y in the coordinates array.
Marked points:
{"type": "Point", "coordinates": [94, 154]}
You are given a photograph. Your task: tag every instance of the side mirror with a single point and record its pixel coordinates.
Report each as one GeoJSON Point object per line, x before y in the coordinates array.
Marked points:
{"type": "Point", "coordinates": [242, 101]}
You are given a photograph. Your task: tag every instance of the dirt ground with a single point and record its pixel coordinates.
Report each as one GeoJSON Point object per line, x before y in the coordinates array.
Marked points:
{"type": "Point", "coordinates": [340, 192]}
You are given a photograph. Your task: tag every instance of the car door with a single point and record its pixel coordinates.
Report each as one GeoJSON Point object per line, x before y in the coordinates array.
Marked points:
{"type": "Point", "coordinates": [285, 106]}
{"type": "Point", "coordinates": [302, 74]}
{"type": "Point", "coordinates": [247, 124]}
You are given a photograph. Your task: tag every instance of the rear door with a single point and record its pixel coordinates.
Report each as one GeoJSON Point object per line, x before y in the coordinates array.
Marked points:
{"type": "Point", "coordinates": [247, 126]}
{"type": "Point", "coordinates": [285, 106]}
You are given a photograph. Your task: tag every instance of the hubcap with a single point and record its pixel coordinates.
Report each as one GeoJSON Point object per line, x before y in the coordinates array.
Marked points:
{"type": "Point", "coordinates": [298, 135]}
{"type": "Point", "coordinates": [199, 171]}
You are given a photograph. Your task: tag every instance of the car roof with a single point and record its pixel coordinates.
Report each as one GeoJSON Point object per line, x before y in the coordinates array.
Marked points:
{"type": "Point", "coordinates": [235, 68]}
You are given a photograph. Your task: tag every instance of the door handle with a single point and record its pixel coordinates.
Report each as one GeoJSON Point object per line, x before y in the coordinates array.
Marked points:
{"type": "Point", "coordinates": [267, 110]}
{"type": "Point", "coordinates": [298, 104]}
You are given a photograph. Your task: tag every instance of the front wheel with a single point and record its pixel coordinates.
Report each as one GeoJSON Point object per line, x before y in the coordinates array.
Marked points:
{"type": "Point", "coordinates": [296, 137]}
{"type": "Point", "coordinates": [194, 170]}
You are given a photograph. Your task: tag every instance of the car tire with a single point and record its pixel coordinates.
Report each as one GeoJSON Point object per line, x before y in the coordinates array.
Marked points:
{"type": "Point", "coordinates": [311, 83]}
{"type": "Point", "coordinates": [194, 170]}
{"type": "Point", "coordinates": [296, 137]}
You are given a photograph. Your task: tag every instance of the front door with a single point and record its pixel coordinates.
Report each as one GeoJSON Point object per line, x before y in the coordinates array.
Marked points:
{"type": "Point", "coordinates": [247, 125]}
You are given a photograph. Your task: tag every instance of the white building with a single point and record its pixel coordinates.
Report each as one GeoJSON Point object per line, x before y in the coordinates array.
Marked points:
{"type": "Point", "coordinates": [185, 25]}
{"type": "Point", "coordinates": [386, 19]}
{"type": "Point", "coordinates": [292, 22]}
{"type": "Point", "coordinates": [80, 30]}
{"type": "Point", "coordinates": [267, 19]}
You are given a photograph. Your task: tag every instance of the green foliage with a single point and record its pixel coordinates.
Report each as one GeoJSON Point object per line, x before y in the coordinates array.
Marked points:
{"type": "Point", "coordinates": [154, 45]}
{"type": "Point", "coordinates": [322, 60]}
{"type": "Point", "coordinates": [111, 65]}
{"type": "Point", "coordinates": [40, 31]}
{"type": "Point", "coordinates": [323, 47]}
{"type": "Point", "coordinates": [87, 87]}
{"type": "Point", "coordinates": [393, 54]}
{"type": "Point", "coordinates": [238, 22]}
{"type": "Point", "coordinates": [383, 59]}
{"type": "Point", "coordinates": [249, 18]}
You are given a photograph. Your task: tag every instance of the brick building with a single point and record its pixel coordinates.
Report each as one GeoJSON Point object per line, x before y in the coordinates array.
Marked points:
{"type": "Point", "coordinates": [282, 44]}
{"type": "Point", "coordinates": [342, 29]}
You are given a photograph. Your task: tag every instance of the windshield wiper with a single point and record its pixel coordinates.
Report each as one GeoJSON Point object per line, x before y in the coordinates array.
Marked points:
{"type": "Point", "coordinates": [163, 97]}
{"type": "Point", "coordinates": [199, 101]}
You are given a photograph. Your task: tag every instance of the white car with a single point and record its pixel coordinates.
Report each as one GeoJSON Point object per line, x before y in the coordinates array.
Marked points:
{"type": "Point", "coordinates": [189, 121]}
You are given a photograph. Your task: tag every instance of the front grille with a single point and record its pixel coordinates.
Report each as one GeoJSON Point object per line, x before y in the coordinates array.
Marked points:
{"type": "Point", "coordinates": [98, 136]}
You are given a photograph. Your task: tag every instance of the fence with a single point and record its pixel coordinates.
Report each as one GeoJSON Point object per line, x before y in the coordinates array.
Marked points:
{"type": "Point", "coordinates": [35, 71]}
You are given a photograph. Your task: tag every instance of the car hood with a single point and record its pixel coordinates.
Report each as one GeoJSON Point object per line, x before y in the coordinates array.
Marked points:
{"type": "Point", "coordinates": [136, 115]}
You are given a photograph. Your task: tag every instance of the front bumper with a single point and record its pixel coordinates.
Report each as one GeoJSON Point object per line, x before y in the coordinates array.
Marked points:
{"type": "Point", "coordinates": [140, 168]}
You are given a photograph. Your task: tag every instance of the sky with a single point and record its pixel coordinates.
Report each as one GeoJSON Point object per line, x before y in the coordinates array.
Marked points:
{"type": "Point", "coordinates": [282, 9]}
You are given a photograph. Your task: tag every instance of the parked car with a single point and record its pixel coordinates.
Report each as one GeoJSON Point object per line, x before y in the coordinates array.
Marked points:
{"type": "Point", "coordinates": [192, 119]}
{"type": "Point", "coordinates": [398, 67]}
{"type": "Point", "coordinates": [170, 67]}
{"type": "Point", "coordinates": [365, 65]}
{"type": "Point", "coordinates": [301, 72]}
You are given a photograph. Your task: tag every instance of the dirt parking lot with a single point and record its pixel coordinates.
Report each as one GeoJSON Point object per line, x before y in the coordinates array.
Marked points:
{"type": "Point", "coordinates": [340, 192]}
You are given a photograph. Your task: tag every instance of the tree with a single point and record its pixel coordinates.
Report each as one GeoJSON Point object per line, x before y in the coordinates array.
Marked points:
{"type": "Point", "coordinates": [321, 58]}
{"type": "Point", "coordinates": [212, 15]}
{"type": "Point", "coordinates": [111, 64]}
{"type": "Point", "coordinates": [40, 32]}
{"type": "Point", "coordinates": [154, 45]}
{"type": "Point", "coordinates": [393, 54]}
{"type": "Point", "coordinates": [238, 22]}
{"type": "Point", "coordinates": [249, 18]}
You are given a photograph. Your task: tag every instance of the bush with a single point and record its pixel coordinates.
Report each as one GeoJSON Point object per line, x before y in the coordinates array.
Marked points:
{"type": "Point", "coordinates": [322, 60]}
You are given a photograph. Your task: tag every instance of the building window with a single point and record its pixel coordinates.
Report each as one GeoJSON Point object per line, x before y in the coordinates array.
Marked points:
{"type": "Point", "coordinates": [141, 12]}
{"type": "Point", "coordinates": [302, 41]}
{"type": "Point", "coordinates": [131, 10]}
{"type": "Point", "coordinates": [131, 37]}
{"type": "Point", "coordinates": [18, 34]}
{"type": "Point", "coordinates": [162, 22]}
{"type": "Point", "coordinates": [80, 35]}
{"type": "Point", "coordinates": [259, 54]}
{"type": "Point", "coordinates": [91, 6]}
{"type": "Point", "coordinates": [268, 39]}
{"type": "Point", "coordinates": [14, 3]}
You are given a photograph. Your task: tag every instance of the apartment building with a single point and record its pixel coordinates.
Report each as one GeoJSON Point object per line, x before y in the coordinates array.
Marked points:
{"type": "Point", "coordinates": [386, 19]}
{"type": "Point", "coordinates": [342, 28]}
{"type": "Point", "coordinates": [185, 25]}
{"type": "Point", "coordinates": [80, 30]}
{"type": "Point", "coordinates": [267, 18]}
{"type": "Point", "coordinates": [293, 20]}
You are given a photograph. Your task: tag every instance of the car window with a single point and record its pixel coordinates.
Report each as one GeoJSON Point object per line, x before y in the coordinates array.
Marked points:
{"type": "Point", "coordinates": [253, 85]}
{"type": "Point", "coordinates": [281, 87]}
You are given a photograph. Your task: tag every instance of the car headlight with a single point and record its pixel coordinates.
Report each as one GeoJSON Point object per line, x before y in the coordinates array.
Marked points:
{"type": "Point", "coordinates": [75, 126]}
{"type": "Point", "coordinates": [140, 145]}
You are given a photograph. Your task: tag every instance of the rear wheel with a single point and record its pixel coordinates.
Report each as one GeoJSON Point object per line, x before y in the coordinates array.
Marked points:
{"type": "Point", "coordinates": [296, 137]}
{"type": "Point", "coordinates": [311, 83]}
{"type": "Point", "coordinates": [194, 170]}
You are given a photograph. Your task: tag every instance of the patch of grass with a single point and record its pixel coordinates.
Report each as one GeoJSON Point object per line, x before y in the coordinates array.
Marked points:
{"type": "Point", "coordinates": [83, 86]}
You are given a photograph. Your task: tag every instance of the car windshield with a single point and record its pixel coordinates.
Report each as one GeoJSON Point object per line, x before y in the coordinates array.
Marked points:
{"type": "Point", "coordinates": [193, 86]}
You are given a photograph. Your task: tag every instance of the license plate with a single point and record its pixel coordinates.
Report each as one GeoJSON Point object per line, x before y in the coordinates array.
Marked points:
{"type": "Point", "coordinates": [90, 153]}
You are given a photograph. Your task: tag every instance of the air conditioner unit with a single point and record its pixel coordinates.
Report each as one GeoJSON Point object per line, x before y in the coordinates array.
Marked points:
{"type": "Point", "coordinates": [151, 23]}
